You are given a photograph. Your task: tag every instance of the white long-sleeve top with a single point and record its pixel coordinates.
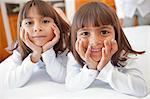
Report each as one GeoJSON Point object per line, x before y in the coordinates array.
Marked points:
{"type": "Point", "coordinates": [128, 80]}
{"type": "Point", "coordinates": [16, 73]}
{"type": "Point", "coordinates": [127, 8]}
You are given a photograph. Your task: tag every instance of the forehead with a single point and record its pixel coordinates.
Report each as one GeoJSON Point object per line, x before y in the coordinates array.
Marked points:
{"type": "Point", "coordinates": [33, 11]}
{"type": "Point", "coordinates": [38, 8]}
{"type": "Point", "coordinates": [96, 28]}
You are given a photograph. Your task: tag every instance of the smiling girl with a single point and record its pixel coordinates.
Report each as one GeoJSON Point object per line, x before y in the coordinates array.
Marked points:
{"type": "Point", "coordinates": [42, 44]}
{"type": "Point", "coordinates": [100, 52]}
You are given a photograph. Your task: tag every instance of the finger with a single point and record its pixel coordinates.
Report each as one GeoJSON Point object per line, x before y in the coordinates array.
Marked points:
{"type": "Point", "coordinates": [107, 47]}
{"type": "Point", "coordinates": [81, 49]}
{"type": "Point", "coordinates": [88, 58]}
{"type": "Point", "coordinates": [114, 46]}
{"type": "Point", "coordinates": [103, 53]}
{"type": "Point", "coordinates": [22, 34]}
{"type": "Point", "coordinates": [26, 38]}
{"type": "Point", "coordinates": [52, 42]}
{"type": "Point", "coordinates": [55, 29]}
{"type": "Point", "coordinates": [88, 52]}
{"type": "Point", "coordinates": [77, 45]}
{"type": "Point", "coordinates": [102, 61]}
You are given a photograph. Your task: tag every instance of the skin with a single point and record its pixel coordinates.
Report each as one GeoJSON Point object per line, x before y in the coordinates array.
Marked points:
{"type": "Point", "coordinates": [39, 33]}
{"type": "Point", "coordinates": [96, 45]}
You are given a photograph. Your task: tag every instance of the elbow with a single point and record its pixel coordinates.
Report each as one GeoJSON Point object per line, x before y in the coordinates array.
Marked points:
{"type": "Point", "coordinates": [139, 88]}
{"type": "Point", "coordinates": [13, 85]}
{"type": "Point", "coordinates": [58, 79]}
{"type": "Point", "coordinates": [142, 93]}
{"type": "Point", "coordinates": [72, 86]}
{"type": "Point", "coordinates": [69, 85]}
{"type": "Point", "coordinates": [16, 85]}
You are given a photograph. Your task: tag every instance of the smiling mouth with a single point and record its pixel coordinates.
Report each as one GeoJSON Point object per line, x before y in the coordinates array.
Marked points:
{"type": "Point", "coordinates": [95, 50]}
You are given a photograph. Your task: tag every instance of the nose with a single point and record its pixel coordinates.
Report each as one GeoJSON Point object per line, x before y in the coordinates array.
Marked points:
{"type": "Point", "coordinates": [96, 39]}
{"type": "Point", "coordinates": [37, 27]}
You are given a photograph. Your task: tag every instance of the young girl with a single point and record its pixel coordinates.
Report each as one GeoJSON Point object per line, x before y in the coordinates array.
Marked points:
{"type": "Point", "coordinates": [42, 42]}
{"type": "Point", "coordinates": [100, 50]}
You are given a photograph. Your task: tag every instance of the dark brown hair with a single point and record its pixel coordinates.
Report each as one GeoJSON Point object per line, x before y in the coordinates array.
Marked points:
{"type": "Point", "coordinates": [97, 14]}
{"type": "Point", "coordinates": [45, 10]}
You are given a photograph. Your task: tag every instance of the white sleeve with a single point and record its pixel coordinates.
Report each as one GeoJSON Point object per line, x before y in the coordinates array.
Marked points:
{"type": "Point", "coordinates": [120, 8]}
{"type": "Point", "coordinates": [15, 73]}
{"type": "Point", "coordinates": [125, 80]}
{"type": "Point", "coordinates": [55, 66]}
{"type": "Point", "coordinates": [78, 78]}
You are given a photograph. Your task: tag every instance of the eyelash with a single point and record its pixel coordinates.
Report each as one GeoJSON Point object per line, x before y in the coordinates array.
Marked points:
{"type": "Point", "coordinates": [45, 21]}
{"type": "Point", "coordinates": [85, 33]}
{"type": "Point", "coordinates": [28, 23]}
{"type": "Point", "coordinates": [103, 33]}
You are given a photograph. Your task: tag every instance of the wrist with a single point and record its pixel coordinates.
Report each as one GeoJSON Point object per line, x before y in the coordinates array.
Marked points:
{"type": "Point", "coordinates": [90, 67]}
{"type": "Point", "coordinates": [35, 57]}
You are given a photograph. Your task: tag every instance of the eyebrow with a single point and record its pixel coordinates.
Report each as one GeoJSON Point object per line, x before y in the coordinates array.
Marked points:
{"type": "Point", "coordinates": [101, 27]}
{"type": "Point", "coordinates": [106, 26]}
{"type": "Point", "coordinates": [81, 30]}
{"type": "Point", "coordinates": [32, 17]}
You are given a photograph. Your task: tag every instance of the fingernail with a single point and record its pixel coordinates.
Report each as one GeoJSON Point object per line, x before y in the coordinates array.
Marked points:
{"type": "Point", "coordinates": [113, 41]}
{"type": "Point", "coordinates": [89, 46]}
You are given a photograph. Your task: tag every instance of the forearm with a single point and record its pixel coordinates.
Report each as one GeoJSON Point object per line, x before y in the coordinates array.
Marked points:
{"type": "Point", "coordinates": [18, 74]}
{"type": "Point", "coordinates": [55, 69]}
{"type": "Point", "coordinates": [128, 81]}
{"type": "Point", "coordinates": [79, 80]}
{"type": "Point", "coordinates": [129, 84]}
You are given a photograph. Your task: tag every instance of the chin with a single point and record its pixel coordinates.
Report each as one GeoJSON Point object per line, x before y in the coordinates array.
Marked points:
{"type": "Point", "coordinates": [97, 59]}
{"type": "Point", "coordinates": [39, 44]}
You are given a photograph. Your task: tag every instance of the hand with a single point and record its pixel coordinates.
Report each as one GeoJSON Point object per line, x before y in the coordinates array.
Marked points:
{"type": "Point", "coordinates": [110, 48]}
{"type": "Point", "coordinates": [85, 54]}
{"type": "Point", "coordinates": [36, 55]}
{"type": "Point", "coordinates": [51, 43]}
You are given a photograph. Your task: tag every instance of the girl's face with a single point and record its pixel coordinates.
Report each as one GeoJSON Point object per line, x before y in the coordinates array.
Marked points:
{"type": "Point", "coordinates": [39, 28]}
{"type": "Point", "coordinates": [94, 37]}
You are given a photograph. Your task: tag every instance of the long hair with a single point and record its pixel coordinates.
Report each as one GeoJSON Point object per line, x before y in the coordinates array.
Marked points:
{"type": "Point", "coordinates": [45, 10]}
{"type": "Point", "coordinates": [97, 14]}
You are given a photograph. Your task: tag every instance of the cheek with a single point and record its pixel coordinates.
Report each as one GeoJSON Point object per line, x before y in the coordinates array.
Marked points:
{"type": "Point", "coordinates": [29, 32]}
{"type": "Point", "coordinates": [85, 43]}
{"type": "Point", "coordinates": [111, 36]}
{"type": "Point", "coordinates": [50, 34]}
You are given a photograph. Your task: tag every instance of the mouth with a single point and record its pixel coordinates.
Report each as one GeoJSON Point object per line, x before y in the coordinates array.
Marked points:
{"type": "Point", "coordinates": [38, 37]}
{"type": "Point", "coordinates": [95, 50]}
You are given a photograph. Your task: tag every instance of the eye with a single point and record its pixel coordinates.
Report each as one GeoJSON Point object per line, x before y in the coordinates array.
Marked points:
{"type": "Point", "coordinates": [85, 33]}
{"type": "Point", "coordinates": [28, 23]}
{"type": "Point", "coordinates": [46, 21]}
{"type": "Point", "coordinates": [104, 33]}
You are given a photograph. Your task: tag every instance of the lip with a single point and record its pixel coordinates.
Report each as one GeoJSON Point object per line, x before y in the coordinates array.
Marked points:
{"type": "Point", "coordinates": [37, 37]}
{"type": "Point", "coordinates": [95, 49]}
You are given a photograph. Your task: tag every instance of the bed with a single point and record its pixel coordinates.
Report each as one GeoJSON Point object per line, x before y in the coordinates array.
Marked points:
{"type": "Point", "coordinates": [42, 87]}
